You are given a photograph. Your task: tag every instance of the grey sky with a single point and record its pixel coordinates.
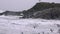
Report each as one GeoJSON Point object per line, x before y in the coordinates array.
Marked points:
{"type": "Point", "coordinates": [20, 4]}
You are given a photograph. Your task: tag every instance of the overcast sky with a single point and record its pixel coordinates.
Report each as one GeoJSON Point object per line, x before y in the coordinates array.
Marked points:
{"type": "Point", "coordinates": [20, 4]}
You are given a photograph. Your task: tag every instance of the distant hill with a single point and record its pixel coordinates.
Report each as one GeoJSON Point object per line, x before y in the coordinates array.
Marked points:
{"type": "Point", "coordinates": [42, 7]}
{"type": "Point", "coordinates": [40, 10]}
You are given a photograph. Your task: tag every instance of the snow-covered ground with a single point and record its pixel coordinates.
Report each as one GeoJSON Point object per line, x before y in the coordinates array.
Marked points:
{"type": "Point", "coordinates": [13, 25]}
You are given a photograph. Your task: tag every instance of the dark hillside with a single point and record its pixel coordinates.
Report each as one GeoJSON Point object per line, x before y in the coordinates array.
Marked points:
{"type": "Point", "coordinates": [51, 13]}
{"type": "Point", "coordinates": [40, 7]}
